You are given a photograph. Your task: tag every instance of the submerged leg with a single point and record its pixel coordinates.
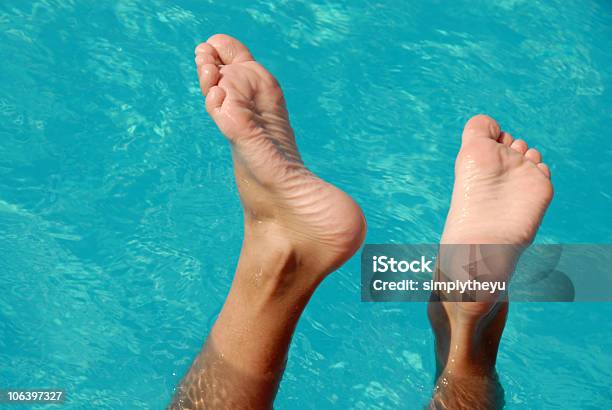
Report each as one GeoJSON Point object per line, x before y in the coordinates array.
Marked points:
{"type": "Point", "coordinates": [298, 229]}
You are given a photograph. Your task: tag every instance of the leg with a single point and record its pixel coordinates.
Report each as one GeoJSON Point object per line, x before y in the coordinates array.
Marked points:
{"type": "Point", "coordinates": [501, 192]}
{"type": "Point", "coordinates": [298, 229]}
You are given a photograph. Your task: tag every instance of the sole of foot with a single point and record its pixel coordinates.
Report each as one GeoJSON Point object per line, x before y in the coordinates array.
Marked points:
{"type": "Point", "coordinates": [502, 190]}
{"type": "Point", "coordinates": [288, 210]}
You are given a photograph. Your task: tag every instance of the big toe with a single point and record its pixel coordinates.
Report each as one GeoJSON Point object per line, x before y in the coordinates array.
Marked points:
{"type": "Point", "coordinates": [481, 126]}
{"type": "Point", "coordinates": [229, 49]}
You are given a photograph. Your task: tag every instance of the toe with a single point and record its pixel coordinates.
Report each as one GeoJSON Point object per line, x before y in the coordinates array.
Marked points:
{"type": "Point", "coordinates": [214, 100]}
{"type": "Point", "coordinates": [229, 49]}
{"type": "Point", "coordinates": [481, 126]}
{"type": "Point", "coordinates": [202, 59]}
{"type": "Point", "coordinates": [533, 155]}
{"type": "Point", "coordinates": [505, 138]}
{"type": "Point", "coordinates": [205, 53]}
{"type": "Point", "coordinates": [519, 146]}
{"type": "Point", "coordinates": [544, 168]}
{"type": "Point", "coordinates": [209, 76]}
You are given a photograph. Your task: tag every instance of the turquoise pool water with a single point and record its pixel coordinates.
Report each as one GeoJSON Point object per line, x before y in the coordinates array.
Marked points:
{"type": "Point", "coordinates": [120, 224]}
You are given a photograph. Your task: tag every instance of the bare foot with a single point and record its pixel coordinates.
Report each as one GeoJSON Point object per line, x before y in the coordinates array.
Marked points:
{"type": "Point", "coordinates": [282, 199]}
{"type": "Point", "coordinates": [502, 190]}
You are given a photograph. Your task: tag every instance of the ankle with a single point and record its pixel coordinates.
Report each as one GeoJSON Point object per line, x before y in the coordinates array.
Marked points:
{"type": "Point", "coordinates": [468, 336]}
{"type": "Point", "coordinates": [273, 267]}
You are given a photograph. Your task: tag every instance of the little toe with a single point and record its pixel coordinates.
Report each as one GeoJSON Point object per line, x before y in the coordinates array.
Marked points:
{"type": "Point", "coordinates": [544, 168]}
{"type": "Point", "coordinates": [209, 76]}
{"type": "Point", "coordinates": [208, 52]}
{"type": "Point", "coordinates": [533, 155]}
{"type": "Point", "coordinates": [519, 146]}
{"type": "Point", "coordinates": [201, 59]}
{"type": "Point", "coordinates": [229, 49]}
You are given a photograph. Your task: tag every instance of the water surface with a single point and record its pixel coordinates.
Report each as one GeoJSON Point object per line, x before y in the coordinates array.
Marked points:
{"type": "Point", "coordinates": [120, 224]}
